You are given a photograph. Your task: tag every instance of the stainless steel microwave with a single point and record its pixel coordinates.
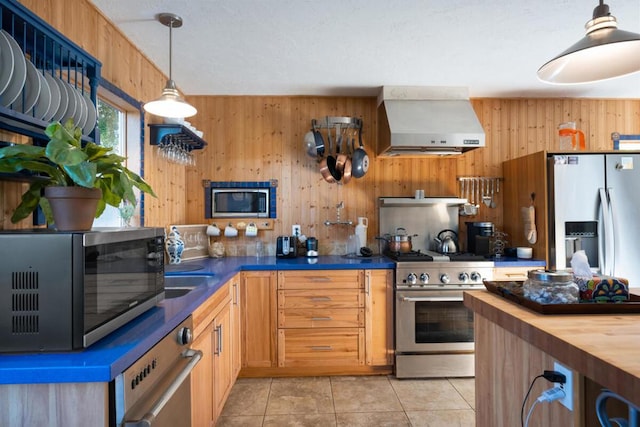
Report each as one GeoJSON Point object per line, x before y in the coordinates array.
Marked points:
{"type": "Point", "coordinates": [240, 202]}
{"type": "Point", "coordinates": [66, 290]}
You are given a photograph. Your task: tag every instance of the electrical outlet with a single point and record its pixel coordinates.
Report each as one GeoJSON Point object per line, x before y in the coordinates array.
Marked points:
{"type": "Point", "coordinates": [567, 400]}
{"type": "Point", "coordinates": [296, 230]}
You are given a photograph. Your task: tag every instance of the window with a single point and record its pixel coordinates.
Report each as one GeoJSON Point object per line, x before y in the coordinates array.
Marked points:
{"type": "Point", "coordinates": [119, 127]}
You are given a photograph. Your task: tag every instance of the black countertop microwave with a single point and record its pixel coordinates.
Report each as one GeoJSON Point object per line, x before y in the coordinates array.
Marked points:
{"type": "Point", "coordinates": [64, 291]}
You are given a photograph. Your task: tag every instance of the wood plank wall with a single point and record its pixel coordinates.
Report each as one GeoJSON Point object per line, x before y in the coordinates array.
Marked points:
{"type": "Point", "coordinates": [261, 138]}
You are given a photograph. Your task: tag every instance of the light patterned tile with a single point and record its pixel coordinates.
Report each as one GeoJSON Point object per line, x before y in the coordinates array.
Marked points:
{"type": "Point", "coordinates": [240, 421]}
{"type": "Point", "coordinates": [248, 397]}
{"type": "Point", "coordinates": [372, 419]}
{"type": "Point", "coordinates": [467, 388]}
{"type": "Point", "coordinates": [443, 418]}
{"type": "Point", "coordinates": [300, 396]}
{"type": "Point", "coordinates": [300, 420]}
{"type": "Point", "coordinates": [428, 394]}
{"type": "Point", "coordinates": [364, 394]}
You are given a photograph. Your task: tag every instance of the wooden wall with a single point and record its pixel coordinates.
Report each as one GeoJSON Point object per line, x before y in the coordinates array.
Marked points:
{"type": "Point", "coordinates": [261, 138]}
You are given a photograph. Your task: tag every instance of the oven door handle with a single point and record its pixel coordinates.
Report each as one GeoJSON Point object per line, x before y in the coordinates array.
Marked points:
{"type": "Point", "coordinates": [148, 419]}
{"type": "Point", "coordinates": [430, 299]}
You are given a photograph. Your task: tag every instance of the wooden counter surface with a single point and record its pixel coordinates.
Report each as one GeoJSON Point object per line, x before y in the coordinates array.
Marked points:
{"type": "Point", "coordinates": [605, 348]}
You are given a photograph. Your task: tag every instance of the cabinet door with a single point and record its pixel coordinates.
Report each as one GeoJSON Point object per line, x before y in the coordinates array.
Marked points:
{"type": "Point", "coordinates": [236, 327]}
{"type": "Point", "coordinates": [259, 317]}
{"type": "Point", "coordinates": [202, 380]}
{"type": "Point", "coordinates": [222, 358]}
{"type": "Point", "coordinates": [379, 317]}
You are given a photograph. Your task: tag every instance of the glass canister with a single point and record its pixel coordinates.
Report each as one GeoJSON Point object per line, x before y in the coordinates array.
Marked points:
{"type": "Point", "coordinates": [551, 287]}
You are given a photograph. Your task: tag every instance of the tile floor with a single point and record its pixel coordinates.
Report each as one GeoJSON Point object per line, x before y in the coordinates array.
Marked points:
{"type": "Point", "coordinates": [369, 401]}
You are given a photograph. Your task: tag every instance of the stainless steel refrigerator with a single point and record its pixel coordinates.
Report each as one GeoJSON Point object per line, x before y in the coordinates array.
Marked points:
{"type": "Point", "coordinates": [595, 206]}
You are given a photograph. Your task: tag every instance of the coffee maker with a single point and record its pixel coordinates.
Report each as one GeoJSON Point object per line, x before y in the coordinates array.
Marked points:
{"type": "Point", "coordinates": [478, 237]}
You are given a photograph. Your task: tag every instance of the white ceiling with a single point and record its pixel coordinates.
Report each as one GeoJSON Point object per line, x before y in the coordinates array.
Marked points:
{"type": "Point", "coordinates": [353, 47]}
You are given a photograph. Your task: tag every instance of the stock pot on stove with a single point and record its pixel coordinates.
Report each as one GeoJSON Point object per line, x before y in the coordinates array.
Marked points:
{"type": "Point", "coordinates": [399, 242]}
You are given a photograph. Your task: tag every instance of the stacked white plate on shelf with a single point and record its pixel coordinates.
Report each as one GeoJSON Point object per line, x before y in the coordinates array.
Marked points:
{"type": "Point", "coordinates": [40, 93]}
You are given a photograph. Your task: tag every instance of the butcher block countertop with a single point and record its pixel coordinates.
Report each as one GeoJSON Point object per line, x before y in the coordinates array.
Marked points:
{"type": "Point", "coordinates": [602, 347]}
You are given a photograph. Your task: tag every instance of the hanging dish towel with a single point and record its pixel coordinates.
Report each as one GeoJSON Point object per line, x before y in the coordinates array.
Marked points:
{"type": "Point", "coordinates": [529, 220]}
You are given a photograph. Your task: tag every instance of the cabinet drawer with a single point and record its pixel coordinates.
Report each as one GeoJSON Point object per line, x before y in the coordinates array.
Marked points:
{"type": "Point", "coordinates": [321, 347]}
{"type": "Point", "coordinates": [325, 279]}
{"type": "Point", "coordinates": [512, 273]}
{"type": "Point", "coordinates": [321, 318]}
{"type": "Point", "coordinates": [320, 298]}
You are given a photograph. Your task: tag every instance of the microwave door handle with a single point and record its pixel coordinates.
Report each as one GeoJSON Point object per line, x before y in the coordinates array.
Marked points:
{"type": "Point", "coordinates": [430, 299]}
{"type": "Point", "coordinates": [148, 419]}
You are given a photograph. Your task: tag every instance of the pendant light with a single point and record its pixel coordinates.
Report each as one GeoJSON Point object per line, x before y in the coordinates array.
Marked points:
{"type": "Point", "coordinates": [170, 103]}
{"type": "Point", "coordinates": [605, 52]}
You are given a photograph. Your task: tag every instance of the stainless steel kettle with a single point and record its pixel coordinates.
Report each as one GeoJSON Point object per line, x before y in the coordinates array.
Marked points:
{"type": "Point", "coordinates": [447, 242]}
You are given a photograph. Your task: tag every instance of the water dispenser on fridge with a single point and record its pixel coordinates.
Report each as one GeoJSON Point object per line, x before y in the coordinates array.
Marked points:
{"type": "Point", "coordinates": [582, 235]}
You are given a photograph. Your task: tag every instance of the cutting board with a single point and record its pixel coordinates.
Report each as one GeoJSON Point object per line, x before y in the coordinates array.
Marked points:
{"type": "Point", "coordinates": [196, 241]}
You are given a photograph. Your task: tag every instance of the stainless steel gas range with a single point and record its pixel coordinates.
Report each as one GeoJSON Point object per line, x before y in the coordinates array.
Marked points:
{"type": "Point", "coordinates": [433, 329]}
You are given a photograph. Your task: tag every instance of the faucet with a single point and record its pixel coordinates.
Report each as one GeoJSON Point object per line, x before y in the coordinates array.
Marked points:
{"type": "Point", "coordinates": [339, 206]}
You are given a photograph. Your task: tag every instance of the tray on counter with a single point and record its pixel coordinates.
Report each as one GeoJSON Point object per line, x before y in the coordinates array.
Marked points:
{"type": "Point", "coordinates": [513, 292]}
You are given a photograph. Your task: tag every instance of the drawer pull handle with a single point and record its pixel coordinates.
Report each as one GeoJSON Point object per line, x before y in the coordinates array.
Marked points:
{"type": "Point", "coordinates": [320, 279]}
{"type": "Point", "coordinates": [321, 318]}
{"type": "Point", "coordinates": [320, 298]}
{"type": "Point", "coordinates": [321, 348]}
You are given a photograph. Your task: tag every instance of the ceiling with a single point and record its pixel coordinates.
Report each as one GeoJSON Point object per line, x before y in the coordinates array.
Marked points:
{"type": "Point", "coordinates": [353, 47]}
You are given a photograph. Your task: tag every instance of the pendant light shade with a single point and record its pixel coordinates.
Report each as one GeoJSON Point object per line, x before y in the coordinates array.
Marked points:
{"type": "Point", "coordinates": [605, 52]}
{"type": "Point", "coordinates": [170, 103]}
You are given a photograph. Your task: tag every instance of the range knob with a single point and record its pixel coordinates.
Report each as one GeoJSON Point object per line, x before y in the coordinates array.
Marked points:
{"type": "Point", "coordinates": [463, 277]}
{"type": "Point", "coordinates": [424, 278]}
{"type": "Point", "coordinates": [475, 276]}
{"type": "Point", "coordinates": [412, 279]}
{"type": "Point", "coordinates": [444, 278]}
{"type": "Point", "coordinates": [185, 336]}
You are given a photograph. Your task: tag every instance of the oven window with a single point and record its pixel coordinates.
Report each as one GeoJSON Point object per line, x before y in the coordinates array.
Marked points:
{"type": "Point", "coordinates": [443, 322]}
{"type": "Point", "coordinates": [118, 276]}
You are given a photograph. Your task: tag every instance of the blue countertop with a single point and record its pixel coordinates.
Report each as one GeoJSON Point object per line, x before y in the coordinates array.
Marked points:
{"type": "Point", "coordinates": [518, 262]}
{"type": "Point", "coordinates": [104, 360]}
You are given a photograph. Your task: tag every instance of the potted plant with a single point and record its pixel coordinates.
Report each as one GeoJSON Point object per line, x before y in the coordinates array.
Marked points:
{"type": "Point", "coordinates": [66, 165]}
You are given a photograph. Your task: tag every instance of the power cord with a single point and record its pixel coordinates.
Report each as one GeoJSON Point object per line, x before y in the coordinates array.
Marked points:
{"type": "Point", "coordinates": [552, 376]}
{"type": "Point", "coordinates": [549, 395]}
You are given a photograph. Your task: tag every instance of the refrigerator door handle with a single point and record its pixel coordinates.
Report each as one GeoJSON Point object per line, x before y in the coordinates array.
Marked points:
{"type": "Point", "coordinates": [605, 242]}
{"type": "Point", "coordinates": [611, 232]}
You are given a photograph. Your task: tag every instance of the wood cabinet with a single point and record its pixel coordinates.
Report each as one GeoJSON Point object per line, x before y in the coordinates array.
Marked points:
{"type": "Point", "coordinates": [236, 328]}
{"type": "Point", "coordinates": [316, 322]}
{"type": "Point", "coordinates": [258, 308]}
{"type": "Point", "coordinates": [212, 378]}
{"type": "Point", "coordinates": [320, 318]}
{"type": "Point", "coordinates": [379, 317]}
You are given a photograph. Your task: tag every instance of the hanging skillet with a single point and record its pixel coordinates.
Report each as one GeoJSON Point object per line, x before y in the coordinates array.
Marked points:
{"type": "Point", "coordinates": [318, 140]}
{"type": "Point", "coordinates": [360, 159]}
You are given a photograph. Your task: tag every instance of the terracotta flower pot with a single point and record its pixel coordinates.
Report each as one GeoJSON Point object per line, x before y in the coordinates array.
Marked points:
{"type": "Point", "coordinates": [74, 208]}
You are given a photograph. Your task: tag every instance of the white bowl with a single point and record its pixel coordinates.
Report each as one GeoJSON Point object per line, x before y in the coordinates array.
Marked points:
{"type": "Point", "coordinates": [524, 253]}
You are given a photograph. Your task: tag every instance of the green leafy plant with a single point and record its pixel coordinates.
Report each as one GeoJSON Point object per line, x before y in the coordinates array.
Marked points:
{"type": "Point", "coordinates": [65, 161]}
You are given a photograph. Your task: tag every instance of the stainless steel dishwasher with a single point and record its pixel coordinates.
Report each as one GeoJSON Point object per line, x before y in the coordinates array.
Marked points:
{"type": "Point", "coordinates": [156, 391]}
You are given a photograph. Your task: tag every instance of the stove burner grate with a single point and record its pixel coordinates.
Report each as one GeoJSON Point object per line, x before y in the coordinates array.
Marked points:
{"type": "Point", "coordinates": [408, 256]}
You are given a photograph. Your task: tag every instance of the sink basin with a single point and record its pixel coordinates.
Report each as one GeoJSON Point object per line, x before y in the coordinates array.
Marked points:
{"type": "Point", "coordinates": [179, 286]}
{"type": "Point", "coordinates": [170, 293]}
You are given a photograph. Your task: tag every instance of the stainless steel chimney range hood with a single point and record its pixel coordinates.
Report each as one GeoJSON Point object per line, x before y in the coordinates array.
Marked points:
{"type": "Point", "coordinates": [416, 121]}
